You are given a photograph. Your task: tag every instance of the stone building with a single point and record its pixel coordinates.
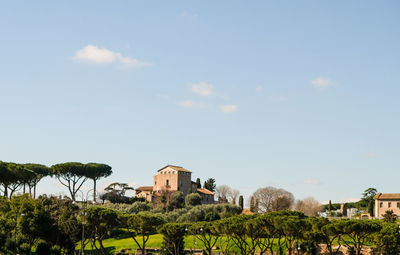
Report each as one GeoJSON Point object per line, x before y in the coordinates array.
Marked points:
{"type": "Point", "coordinates": [174, 178]}
{"type": "Point", "coordinates": [386, 202]}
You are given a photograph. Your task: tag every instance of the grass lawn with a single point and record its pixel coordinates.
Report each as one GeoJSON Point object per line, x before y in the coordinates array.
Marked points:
{"type": "Point", "coordinates": [154, 241]}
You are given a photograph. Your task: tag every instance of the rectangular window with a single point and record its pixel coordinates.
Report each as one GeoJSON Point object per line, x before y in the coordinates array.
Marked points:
{"type": "Point", "coordinates": [389, 204]}
{"type": "Point", "coordinates": [398, 205]}
{"type": "Point", "coordinates": [380, 204]}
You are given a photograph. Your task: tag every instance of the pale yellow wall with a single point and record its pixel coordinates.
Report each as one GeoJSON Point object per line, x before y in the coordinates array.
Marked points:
{"type": "Point", "coordinates": [381, 209]}
{"type": "Point", "coordinates": [146, 195]}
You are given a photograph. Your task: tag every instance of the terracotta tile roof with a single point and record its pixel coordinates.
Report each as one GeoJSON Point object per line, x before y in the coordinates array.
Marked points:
{"type": "Point", "coordinates": [145, 188]}
{"type": "Point", "coordinates": [205, 191]}
{"type": "Point", "coordinates": [387, 196]}
{"type": "Point", "coordinates": [177, 168]}
{"type": "Point", "coordinates": [247, 211]}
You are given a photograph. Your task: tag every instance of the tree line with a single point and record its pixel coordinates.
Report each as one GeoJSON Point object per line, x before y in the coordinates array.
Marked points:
{"type": "Point", "coordinates": [72, 175]}
{"type": "Point", "coordinates": [50, 225]}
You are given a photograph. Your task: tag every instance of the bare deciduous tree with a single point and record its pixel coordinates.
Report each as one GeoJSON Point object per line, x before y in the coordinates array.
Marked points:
{"type": "Point", "coordinates": [309, 206]}
{"type": "Point", "coordinates": [222, 192]}
{"type": "Point", "coordinates": [273, 199]}
{"type": "Point", "coordinates": [233, 194]}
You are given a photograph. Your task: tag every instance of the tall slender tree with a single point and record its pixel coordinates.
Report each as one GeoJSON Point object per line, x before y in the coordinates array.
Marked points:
{"type": "Point", "coordinates": [241, 202]}
{"type": "Point", "coordinates": [4, 178]}
{"type": "Point", "coordinates": [95, 171]}
{"type": "Point", "coordinates": [368, 198]}
{"type": "Point", "coordinates": [198, 183]}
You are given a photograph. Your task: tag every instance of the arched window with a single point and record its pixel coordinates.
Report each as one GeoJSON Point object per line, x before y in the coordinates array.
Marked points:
{"type": "Point", "coordinates": [167, 182]}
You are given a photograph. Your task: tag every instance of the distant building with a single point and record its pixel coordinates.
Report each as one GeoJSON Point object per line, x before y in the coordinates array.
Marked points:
{"type": "Point", "coordinates": [386, 202]}
{"type": "Point", "coordinates": [174, 178]}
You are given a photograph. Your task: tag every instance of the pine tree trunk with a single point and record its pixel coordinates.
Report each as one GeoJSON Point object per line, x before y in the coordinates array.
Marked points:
{"type": "Point", "coordinates": [94, 190]}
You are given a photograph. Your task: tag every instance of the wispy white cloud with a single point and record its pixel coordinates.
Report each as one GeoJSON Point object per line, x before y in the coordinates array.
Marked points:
{"type": "Point", "coordinates": [259, 88]}
{"type": "Point", "coordinates": [322, 83]}
{"type": "Point", "coordinates": [311, 182]}
{"type": "Point", "coordinates": [191, 104]}
{"type": "Point", "coordinates": [228, 108]}
{"type": "Point", "coordinates": [94, 54]}
{"type": "Point", "coordinates": [189, 15]}
{"type": "Point", "coordinates": [202, 88]}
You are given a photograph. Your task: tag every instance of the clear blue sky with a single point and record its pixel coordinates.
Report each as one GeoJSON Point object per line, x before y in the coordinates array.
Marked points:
{"type": "Point", "coordinates": [301, 95]}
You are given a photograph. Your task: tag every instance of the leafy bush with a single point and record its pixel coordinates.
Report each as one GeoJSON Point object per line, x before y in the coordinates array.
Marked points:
{"type": "Point", "coordinates": [130, 208]}
{"type": "Point", "coordinates": [193, 199]}
{"type": "Point", "coordinates": [200, 213]}
{"type": "Point", "coordinates": [43, 247]}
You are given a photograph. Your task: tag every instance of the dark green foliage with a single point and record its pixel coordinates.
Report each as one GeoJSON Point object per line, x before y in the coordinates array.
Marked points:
{"type": "Point", "coordinates": [142, 226]}
{"type": "Point", "coordinates": [368, 199]}
{"type": "Point", "coordinates": [15, 176]}
{"type": "Point", "coordinates": [206, 233]}
{"type": "Point", "coordinates": [42, 224]}
{"type": "Point", "coordinates": [330, 207]}
{"type": "Point", "coordinates": [115, 198]}
{"type": "Point", "coordinates": [43, 247]}
{"type": "Point", "coordinates": [199, 213]}
{"type": "Point", "coordinates": [210, 184]}
{"type": "Point", "coordinates": [63, 214]}
{"type": "Point", "coordinates": [176, 200]}
{"type": "Point", "coordinates": [95, 171]}
{"type": "Point", "coordinates": [173, 238]}
{"type": "Point", "coordinates": [388, 239]}
{"type": "Point", "coordinates": [241, 232]}
{"type": "Point", "coordinates": [358, 231]}
{"type": "Point", "coordinates": [241, 202]}
{"type": "Point", "coordinates": [39, 171]}
{"type": "Point", "coordinates": [169, 200]}
{"type": "Point", "coordinates": [193, 199]}
{"type": "Point", "coordinates": [136, 199]}
{"type": "Point", "coordinates": [130, 208]}
{"type": "Point", "coordinates": [198, 183]}
{"type": "Point", "coordinates": [101, 222]}
{"type": "Point", "coordinates": [211, 216]}
{"type": "Point", "coordinates": [291, 225]}
{"type": "Point", "coordinates": [390, 217]}
{"type": "Point", "coordinates": [71, 175]}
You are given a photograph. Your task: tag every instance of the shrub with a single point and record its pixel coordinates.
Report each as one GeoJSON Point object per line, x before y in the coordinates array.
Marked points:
{"type": "Point", "coordinates": [193, 199]}
{"type": "Point", "coordinates": [43, 247]}
{"type": "Point", "coordinates": [130, 208]}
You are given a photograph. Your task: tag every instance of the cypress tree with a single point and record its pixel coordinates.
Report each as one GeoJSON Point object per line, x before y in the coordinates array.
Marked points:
{"type": "Point", "coordinates": [241, 202]}
{"type": "Point", "coordinates": [371, 207]}
{"type": "Point", "coordinates": [252, 205]}
{"type": "Point", "coordinates": [198, 183]}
